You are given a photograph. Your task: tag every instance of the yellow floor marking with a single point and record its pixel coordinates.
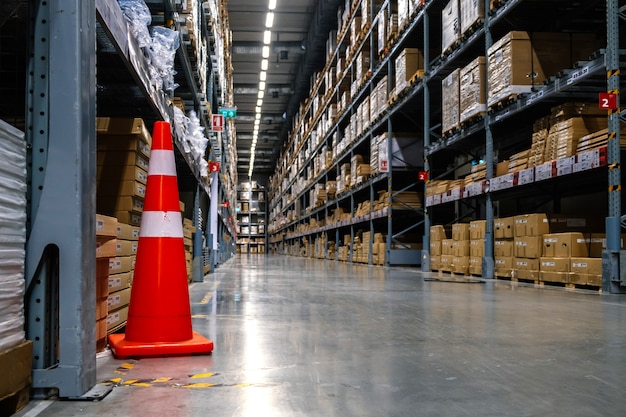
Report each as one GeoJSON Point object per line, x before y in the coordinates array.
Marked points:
{"type": "Point", "coordinates": [207, 375]}
{"type": "Point", "coordinates": [209, 294]}
{"type": "Point", "coordinates": [130, 381]}
{"type": "Point", "coordinates": [199, 385]}
{"type": "Point", "coordinates": [141, 384]}
{"type": "Point", "coordinates": [115, 380]}
{"type": "Point", "coordinates": [161, 380]}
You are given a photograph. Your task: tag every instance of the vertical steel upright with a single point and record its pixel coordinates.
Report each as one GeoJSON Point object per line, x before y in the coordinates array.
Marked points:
{"type": "Point", "coordinates": [198, 259]}
{"type": "Point", "coordinates": [213, 220]}
{"type": "Point", "coordinates": [426, 239]}
{"type": "Point", "coordinates": [60, 252]}
{"type": "Point", "coordinates": [488, 261]}
{"type": "Point", "coordinates": [611, 267]}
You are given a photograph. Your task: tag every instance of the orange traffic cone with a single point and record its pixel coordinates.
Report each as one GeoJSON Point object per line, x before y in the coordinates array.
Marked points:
{"type": "Point", "coordinates": [159, 313]}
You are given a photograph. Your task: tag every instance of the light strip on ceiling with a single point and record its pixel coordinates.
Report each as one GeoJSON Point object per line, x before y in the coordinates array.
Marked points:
{"type": "Point", "coordinates": [267, 39]}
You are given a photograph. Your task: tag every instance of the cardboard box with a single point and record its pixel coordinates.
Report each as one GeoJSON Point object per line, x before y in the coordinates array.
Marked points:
{"type": "Point", "coordinates": [503, 228]}
{"type": "Point", "coordinates": [125, 247]}
{"type": "Point", "coordinates": [118, 299]}
{"type": "Point", "coordinates": [471, 13]}
{"type": "Point", "coordinates": [528, 246]}
{"type": "Point", "coordinates": [435, 263]}
{"type": "Point", "coordinates": [122, 158]}
{"type": "Point", "coordinates": [437, 232]}
{"type": "Point", "coordinates": [550, 264]}
{"type": "Point", "coordinates": [473, 101]}
{"type": "Point", "coordinates": [526, 264]}
{"type": "Point", "coordinates": [117, 318]}
{"type": "Point", "coordinates": [446, 263]}
{"type": "Point", "coordinates": [460, 231]}
{"type": "Point", "coordinates": [562, 245]}
{"type": "Point", "coordinates": [549, 276]}
{"type": "Point", "coordinates": [408, 62]}
{"type": "Point", "coordinates": [460, 265]}
{"type": "Point", "coordinates": [475, 265]}
{"type": "Point", "coordinates": [533, 274]}
{"type": "Point", "coordinates": [585, 279]}
{"type": "Point", "coordinates": [477, 248]}
{"type": "Point", "coordinates": [123, 143]}
{"type": "Point", "coordinates": [447, 247]}
{"type": "Point", "coordinates": [106, 226]}
{"type": "Point", "coordinates": [121, 188]}
{"type": "Point", "coordinates": [477, 229]}
{"type": "Point", "coordinates": [450, 102]}
{"type": "Point", "coordinates": [131, 217]}
{"type": "Point", "coordinates": [435, 248]}
{"type": "Point", "coordinates": [450, 25]}
{"type": "Point", "coordinates": [591, 266]}
{"type": "Point", "coordinates": [116, 173]}
{"type": "Point", "coordinates": [512, 67]}
{"type": "Point", "coordinates": [531, 225]}
{"type": "Point", "coordinates": [127, 231]}
{"type": "Point", "coordinates": [460, 248]}
{"type": "Point", "coordinates": [503, 266]}
{"type": "Point", "coordinates": [123, 126]}
{"type": "Point", "coordinates": [118, 282]}
{"type": "Point", "coordinates": [596, 242]}
{"type": "Point", "coordinates": [105, 247]}
{"type": "Point", "coordinates": [16, 365]}
{"type": "Point", "coordinates": [121, 264]}
{"type": "Point", "coordinates": [503, 248]}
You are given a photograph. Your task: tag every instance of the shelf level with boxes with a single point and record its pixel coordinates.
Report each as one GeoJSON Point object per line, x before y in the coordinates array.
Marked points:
{"type": "Point", "coordinates": [251, 218]}
{"type": "Point", "coordinates": [354, 153]}
{"type": "Point", "coordinates": [538, 142]}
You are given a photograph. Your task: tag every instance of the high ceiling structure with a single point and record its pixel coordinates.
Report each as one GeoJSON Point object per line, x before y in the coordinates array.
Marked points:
{"type": "Point", "coordinates": [296, 50]}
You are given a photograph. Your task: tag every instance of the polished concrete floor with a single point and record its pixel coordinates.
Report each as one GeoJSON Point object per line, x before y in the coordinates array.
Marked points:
{"type": "Point", "coordinates": [303, 337]}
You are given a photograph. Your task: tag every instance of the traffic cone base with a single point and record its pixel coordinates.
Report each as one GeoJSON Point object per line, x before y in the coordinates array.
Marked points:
{"type": "Point", "coordinates": [123, 348]}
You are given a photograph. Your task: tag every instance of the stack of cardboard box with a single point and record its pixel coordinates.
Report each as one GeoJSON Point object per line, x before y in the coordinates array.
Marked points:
{"type": "Point", "coordinates": [408, 63]}
{"type": "Point", "coordinates": [437, 235]}
{"type": "Point", "coordinates": [460, 248]}
{"type": "Point", "coordinates": [558, 251]}
{"type": "Point", "coordinates": [528, 240]}
{"type": "Point", "coordinates": [503, 246]}
{"type": "Point", "coordinates": [122, 168]}
{"type": "Point", "coordinates": [106, 232]}
{"type": "Point", "coordinates": [477, 230]}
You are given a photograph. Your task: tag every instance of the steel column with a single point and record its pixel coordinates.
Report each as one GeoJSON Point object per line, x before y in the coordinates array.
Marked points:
{"type": "Point", "coordinates": [426, 239]}
{"type": "Point", "coordinates": [61, 260]}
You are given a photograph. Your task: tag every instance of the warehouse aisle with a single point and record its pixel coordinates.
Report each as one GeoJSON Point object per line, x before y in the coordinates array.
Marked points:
{"type": "Point", "coordinates": [303, 337]}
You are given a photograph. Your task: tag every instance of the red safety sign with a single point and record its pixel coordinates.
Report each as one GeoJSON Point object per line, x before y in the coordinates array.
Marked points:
{"type": "Point", "coordinates": [214, 167]}
{"type": "Point", "coordinates": [422, 176]}
{"type": "Point", "coordinates": [217, 124]}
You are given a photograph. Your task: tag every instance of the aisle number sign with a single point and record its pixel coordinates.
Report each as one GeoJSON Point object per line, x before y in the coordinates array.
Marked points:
{"type": "Point", "coordinates": [607, 101]}
{"type": "Point", "coordinates": [228, 112]}
{"type": "Point", "coordinates": [217, 123]}
{"type": "Point", "coordinates": [214, 167]}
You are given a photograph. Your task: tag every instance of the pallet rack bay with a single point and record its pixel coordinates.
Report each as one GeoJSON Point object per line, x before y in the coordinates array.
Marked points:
{"type": "Point", "coordinates": [251, 218]}
{"type": "Point", "coordinates": [385, 112]}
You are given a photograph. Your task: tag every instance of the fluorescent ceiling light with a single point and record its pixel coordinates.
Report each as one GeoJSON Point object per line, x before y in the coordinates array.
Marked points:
{"type": "Point", "coordinates": [259, 102]}
{"type": "Point", "coordinates": [266, 51]}
{"type": "Point", "coordinates": [263, 76]}
{"type": "Point", "coordinates": [269, 20]}
{"type": "Point", "coordinates": [267, 37]}
{"type": "Point", "coordinates": [262, 86]}
{"type": "Point", "coordinates": [264, 64]}
{"type": "Point", "coordinates": [257, 122]}
{"type": "Point", "coordinates": [261, 94]}
{"type": "Point", "coordinates": [272, 5]}
{"type": "Point", "coordinates": [257, 110]}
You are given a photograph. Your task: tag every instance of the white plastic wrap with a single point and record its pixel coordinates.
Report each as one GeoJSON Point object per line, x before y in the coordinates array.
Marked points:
{"type": "Point", "coordinates": [139, 18]}
{"type": "Point", "coordinates": [194, 141]}
{"type": "Point", "coordinates": [12, 235]}
{"type": "Point", "coordinates": [165, 42]}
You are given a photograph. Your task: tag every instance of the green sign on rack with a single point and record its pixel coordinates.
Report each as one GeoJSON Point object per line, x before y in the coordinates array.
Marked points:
{"type": "Point", "coordinates": [228, 113]}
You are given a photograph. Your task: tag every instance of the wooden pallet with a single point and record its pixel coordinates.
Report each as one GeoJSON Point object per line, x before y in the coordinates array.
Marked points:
{"type": "Point", "coordinates": [419, 74]}
{"type": "Point", "coordinates": [391, 40]}
{"type": "Point", "coordinates": [473, 119]}
{"type": "Point", "coordinates": [504, 102]}
{"type": "Point", "coordinates": [15, 401]}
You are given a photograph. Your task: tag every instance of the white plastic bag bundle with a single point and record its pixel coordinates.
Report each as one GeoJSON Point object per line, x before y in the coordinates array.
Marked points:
{"type": "Point", "coordinates": [139, 18]}
{"type": "Point", "coordinates": [165, 42]}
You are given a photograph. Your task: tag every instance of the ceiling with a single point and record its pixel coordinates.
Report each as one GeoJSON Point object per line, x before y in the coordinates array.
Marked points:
{"type": "Point", "coordinates": [297, 50]}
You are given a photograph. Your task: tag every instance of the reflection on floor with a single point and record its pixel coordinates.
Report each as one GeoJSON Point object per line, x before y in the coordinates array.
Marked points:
{"type": "Point", "coordinates": [303, 337]}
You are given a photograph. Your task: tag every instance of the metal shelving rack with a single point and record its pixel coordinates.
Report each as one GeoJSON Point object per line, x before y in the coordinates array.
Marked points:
{"type": "Point", "coordinates": [582, 81]}
{"type": "Point", "coordinates": [255, 199]}
{"type": "Point", "coordinates": [376, 220]}
{"type": "Point", "coordinates": [61, 134]}
{"type": "Point", "coordinates": [585, 80]}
